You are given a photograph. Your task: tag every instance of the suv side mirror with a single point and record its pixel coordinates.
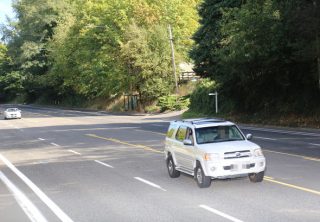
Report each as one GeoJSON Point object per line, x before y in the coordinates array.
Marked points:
{"type": "Point", "coordinates": [187, 142]}
{"type": "Point", "coordinates": [249, 136]}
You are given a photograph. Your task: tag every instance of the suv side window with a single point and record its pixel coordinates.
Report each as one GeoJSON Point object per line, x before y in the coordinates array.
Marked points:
{"type": "Point", "coordinates": [181, 134]}
{"type": "Point", "coordinates": [190, 135]}
{"type": "Point", "coordinates": [171, 130]}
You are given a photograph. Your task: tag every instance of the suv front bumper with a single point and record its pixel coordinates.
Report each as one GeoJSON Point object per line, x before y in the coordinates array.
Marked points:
{"type": "Point", "coordinates": [231, 168]}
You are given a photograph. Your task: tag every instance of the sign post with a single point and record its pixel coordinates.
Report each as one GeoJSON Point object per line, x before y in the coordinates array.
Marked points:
{"type": "Point", "coordinates": [216, 99]}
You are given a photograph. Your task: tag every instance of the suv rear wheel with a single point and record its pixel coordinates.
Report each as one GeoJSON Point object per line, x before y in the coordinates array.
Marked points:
{"type": "Point", "coordinates": [202, 180]}
{"type": "Point", "coordinates": [256, 177]}
{"type": "Point", "coordinates": [173, 173]}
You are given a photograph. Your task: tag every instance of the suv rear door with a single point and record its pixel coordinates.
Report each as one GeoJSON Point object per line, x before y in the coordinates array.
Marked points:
{"type": "Point", "coordinates": [184, 154]}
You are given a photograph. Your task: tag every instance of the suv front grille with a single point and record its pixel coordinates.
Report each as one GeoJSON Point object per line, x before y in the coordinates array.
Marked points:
{"type": "Point", "coordinates": [237, 154]}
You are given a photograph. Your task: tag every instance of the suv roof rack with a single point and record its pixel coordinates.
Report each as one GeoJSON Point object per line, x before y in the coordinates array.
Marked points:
{"type": "Point", "coordinates": [203, 120]}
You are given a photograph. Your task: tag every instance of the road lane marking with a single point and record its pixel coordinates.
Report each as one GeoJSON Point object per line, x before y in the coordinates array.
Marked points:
{"type": "Point", "coordinates": [75, 152]}
{"type": "Point", "coordinates": [294, 155]}
{"type": "Point", "coordinates": [314, 144]}
{"type": "Point", "coordinates": [157, 125]}
{"type": "Point", "coordinates": [17, 128]}
{"type": "Point", "coordinates": [54, 144]}
{"type": "Point", "coordinates": [281, 131]}
{"type": "Point", "coordinates": [220, 213]}
{"type": "Point", "coordinates": [292, 186]}
{"type": "Point", "coordinates": [266, 177]}
{"type": "Point", "coordinates": [27, 206]}
{"type": "Point", "coordinates": [264, 138]}
{"type": "Point", "coordinates": [149, 183]}
{"type": "Point", "coordinates": [88, 129]}
{"type": "Point", "coordinates": [45, 199]}
{"type": "Point", "coordinates": [125, 143]}
{"type": "Point", "coordinates": [104, 164]}
{"type": "Point", "coordinates": [41, 139]}
{"type": "Point", "coordinates": [162, 134]}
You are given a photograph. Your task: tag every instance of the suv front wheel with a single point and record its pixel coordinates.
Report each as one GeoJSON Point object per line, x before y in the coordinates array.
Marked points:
{"type": "Point", "coordinates": [173, 173]}
{"type": "Point", "coordinates": [256, 177]}
{"type": "Point", "coordinates": [202, 180]}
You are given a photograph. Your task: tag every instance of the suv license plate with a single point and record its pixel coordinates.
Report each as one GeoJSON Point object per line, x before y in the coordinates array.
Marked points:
{"type": "Point", "coordinates": [234, 167]}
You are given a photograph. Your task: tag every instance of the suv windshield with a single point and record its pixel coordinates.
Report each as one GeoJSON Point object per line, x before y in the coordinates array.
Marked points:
{"type": "Point", "coordinates": [12, 110]}
{"type": "Point", "coordinates": [218, 134]}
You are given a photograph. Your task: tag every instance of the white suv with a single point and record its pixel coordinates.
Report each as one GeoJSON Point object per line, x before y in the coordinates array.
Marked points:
{"type": "Point", "coordinates": [212, 148]}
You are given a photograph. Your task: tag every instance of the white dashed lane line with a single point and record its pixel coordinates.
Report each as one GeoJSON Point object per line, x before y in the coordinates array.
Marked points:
{"type": "Point", "coordinates": [217, 212]}
{"type": "Point", "coordinates": [75, 152]}
{"type": "Point", "coordinates": [41, 139]}
{"type": "Point", "coordinates": [104, 164]}
{"type": "Point", "coordinates": [158, 125]}
{"type": "Point", "coordinates": [264, 138]}
{"type": "Point", "coordinates": [54, 144]}
{"type": "Point", "coordinates": [149, 183]}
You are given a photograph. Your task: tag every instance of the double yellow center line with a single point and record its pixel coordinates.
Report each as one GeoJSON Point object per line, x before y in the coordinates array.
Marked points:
{"type": "Point", "coordinates": [266, 178]}
{"type": "Point", "coordinates": [125, 143]}
{"type": "Point", "coordinates": [290, 154]}
{"type": "Point", "coordinates": [270, 179]}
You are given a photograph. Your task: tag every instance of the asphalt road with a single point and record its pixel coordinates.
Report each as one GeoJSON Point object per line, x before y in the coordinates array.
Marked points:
{"type": "Point", "coordinates": [67, 165]}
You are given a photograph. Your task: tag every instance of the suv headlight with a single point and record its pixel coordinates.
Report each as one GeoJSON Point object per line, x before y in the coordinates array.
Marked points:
{"type": "Point", "coordinates": [211, 156]}
{"type": "Point", "coordinates": [257, 152]}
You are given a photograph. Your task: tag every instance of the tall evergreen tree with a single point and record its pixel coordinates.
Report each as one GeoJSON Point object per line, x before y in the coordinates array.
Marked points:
{"type": "Point", "coordinates": [208, 37]}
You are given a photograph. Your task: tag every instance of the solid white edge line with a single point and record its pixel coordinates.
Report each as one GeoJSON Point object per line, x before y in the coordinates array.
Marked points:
{"type": "Point", "coordinates": [220, 213]}
{"type": "Point", "coordinates": [75, 152]}
{"type": "Point", "coordinates": [264, 138]}
{"type": "Point", "coordinates": [27, 206]}
{"type": "Point", "coordinates": [45, 199]}
{"type": "Point", "coordinates": [54, 144]}
{"type": "Point", "coordinates": [104, 164]}
{"type": "Point", "coordinates": [149, 183]}
{"type": "Point", "coordinates": [281, 131]}
{"type": "Point", "coordinates": [314, 144]}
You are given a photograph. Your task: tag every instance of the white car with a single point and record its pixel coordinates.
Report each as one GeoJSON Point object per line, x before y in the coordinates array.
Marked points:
{"type": "Point", "coordinates": [12, 113]}
{"type": "Point", "coordinates": [211, 149]}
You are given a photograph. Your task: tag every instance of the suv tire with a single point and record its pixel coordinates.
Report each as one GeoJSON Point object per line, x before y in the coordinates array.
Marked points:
{"type": "Point", "coordinates": [202, 180]}
{"type": "Point", "coordinates": [256, 177]}
{"type": "Point", "coordinates": [173, 173]}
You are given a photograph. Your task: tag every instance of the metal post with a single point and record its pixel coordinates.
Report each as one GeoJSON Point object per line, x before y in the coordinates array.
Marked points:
{"type": "Point", "coordinates": [173, 59]}
{"type": "Point", "coordinates": [216, 102]}
{"type": "Point", "coordinates": [216, 99]}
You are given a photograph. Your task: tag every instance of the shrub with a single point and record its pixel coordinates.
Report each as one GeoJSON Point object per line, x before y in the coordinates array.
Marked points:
{"type": "Point", "coordinates": [152, 109]}
{"type": "Point", "coordinates": [173, 102]}
{"type": "Point", "coordinates": [200, 101]}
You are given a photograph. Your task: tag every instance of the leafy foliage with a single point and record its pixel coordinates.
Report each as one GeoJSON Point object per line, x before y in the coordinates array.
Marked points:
{"type": "Point", "coordinates": [98, 49]}
{"type": "Point", "coordinates": [146, 54]}
{"type": "Point", "coordinates": [173, 102]}
{"type": "Point", "coordinates": [263, 54]}
{"type": "Point", "coordinates": [200, 101]}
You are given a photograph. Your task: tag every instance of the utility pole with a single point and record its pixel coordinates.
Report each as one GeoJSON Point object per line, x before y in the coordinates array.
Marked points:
{"type": "Point", "coordinates": [173, 59]}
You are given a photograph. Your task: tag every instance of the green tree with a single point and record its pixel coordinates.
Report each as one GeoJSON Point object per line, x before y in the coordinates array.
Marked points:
{"type": "Point", "coordinates": [146, 54]}
{"type": "Point", "coordinates": [208, 36]}
{"type": "Point", "coordinates": [10, 81]}
{"type": "Point", "coordinates": [263, 54]}
{"type": "Point", "coordinates": [86, 48]}
{"type": "Point", "coordinates": [27, 40]}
